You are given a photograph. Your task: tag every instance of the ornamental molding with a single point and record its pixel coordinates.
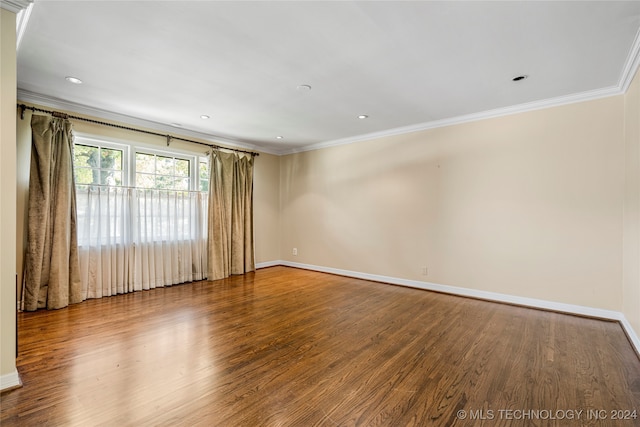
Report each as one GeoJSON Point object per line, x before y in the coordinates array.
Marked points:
{"type": "Point", "coordinates": [15, 6]}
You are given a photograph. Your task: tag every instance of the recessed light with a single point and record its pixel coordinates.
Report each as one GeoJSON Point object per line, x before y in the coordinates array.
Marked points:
{"type": "Point", "coordinates": [363, 116]}
{"type": "Point", "coordinates": [74, 80]}
{"type": "Point", "coordinates": [518, 78]}
{"type": "Point", "coordinates": [304, 88]}
{"type": "Point", "coordinates": [205, 117]}
{"type": "Point", "coordinates": [279, 137]}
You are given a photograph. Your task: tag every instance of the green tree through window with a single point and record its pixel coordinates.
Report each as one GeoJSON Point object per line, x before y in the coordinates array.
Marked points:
{"type": "Point", "coordinates": [97, 165]}
{"type": "Point", "coordinates": [116, 164]}
{"type": "Point", "coordinates": [203, 172]}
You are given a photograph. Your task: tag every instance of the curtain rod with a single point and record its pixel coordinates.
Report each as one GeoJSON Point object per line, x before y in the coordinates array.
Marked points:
{"type": "Point", "coordinates": [23, 107]}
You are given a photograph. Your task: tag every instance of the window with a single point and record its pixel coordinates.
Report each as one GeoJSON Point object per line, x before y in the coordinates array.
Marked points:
{"type": "Point", "coordinates": [141, 217]}
{"type": "Point", "coordinates": [99, 162]}
{"type": "Point", "coordinates": [203, 174]}
{"type": "Point", "coordinates": [162, 172]}
{"type": "Point", "coordinates": [96, 164]}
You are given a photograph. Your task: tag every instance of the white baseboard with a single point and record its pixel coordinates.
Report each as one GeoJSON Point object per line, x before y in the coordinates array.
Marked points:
{"type": "Point", "coordinates": [10, 380]}
{"type": "Point", "coordinates": [268, 264]}
{"type": "Point", "coordinates": [474, 293]}
{"type": "Point", "coordinates": [628, 329]}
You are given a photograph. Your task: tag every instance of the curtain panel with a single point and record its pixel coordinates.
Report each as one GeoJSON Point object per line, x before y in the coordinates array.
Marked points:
{"type": "Point", "coordinates": [230, 220]}
{"type": "Point", "coordinates": [90, 241]}
{"type": "Point", "coordinates": [133, 239]}
{"type": "Point", "coordinates": [51, 275]}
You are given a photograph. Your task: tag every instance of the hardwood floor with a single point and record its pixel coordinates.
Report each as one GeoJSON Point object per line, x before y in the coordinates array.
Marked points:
{"type": "Point", "coordinates": [289, 347]}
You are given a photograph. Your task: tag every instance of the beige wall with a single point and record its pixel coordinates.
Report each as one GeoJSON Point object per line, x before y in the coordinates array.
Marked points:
{"type": "Point", "coordinates": [631, 238]}
{"type": "Point", "coordinates": [23, 163]}
{"type": "Point", "coordinates": [7, 193]}
{"type": "Point", "coordinates": [266, 175]}
{"type": "Point", "coordinates": [527, 205]}
{"type": "Point", "coordinates": [266, 199]}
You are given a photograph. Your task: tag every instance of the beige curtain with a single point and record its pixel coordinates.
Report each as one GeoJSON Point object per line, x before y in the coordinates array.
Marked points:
{"type": "Point", "coordinates": [230, 222]}
{"type": "Point", "coordinates": [51, 276]}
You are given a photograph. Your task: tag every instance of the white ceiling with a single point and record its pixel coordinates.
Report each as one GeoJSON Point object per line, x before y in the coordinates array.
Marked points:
{"type": "Point", "coordinates": [406, 64]}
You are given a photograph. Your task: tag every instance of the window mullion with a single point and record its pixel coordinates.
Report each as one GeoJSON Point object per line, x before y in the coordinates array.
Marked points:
{"type": "Point", "coordinates": [154, 165]}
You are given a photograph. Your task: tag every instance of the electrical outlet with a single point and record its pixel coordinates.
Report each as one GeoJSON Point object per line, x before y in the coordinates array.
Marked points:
{"type": "Point", "coordinates": [425, 271]}
{"type": "Point", "coordinates": [294, 252]}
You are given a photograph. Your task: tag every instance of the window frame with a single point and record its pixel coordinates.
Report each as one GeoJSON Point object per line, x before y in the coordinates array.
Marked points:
{"type": "Point", "coordinates": [99, 143]}
{"type": "Point", "coordinates": [131, 148]}
{"type": "Point", "coordinates": [162, 153]}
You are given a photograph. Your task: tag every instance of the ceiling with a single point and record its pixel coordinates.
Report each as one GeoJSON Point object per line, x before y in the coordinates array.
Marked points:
{"type": "Point", "coordinates": [406, 65]}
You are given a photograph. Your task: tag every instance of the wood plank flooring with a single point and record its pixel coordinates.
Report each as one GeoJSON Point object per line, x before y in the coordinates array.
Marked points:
{"type": "Point", "coordinates": [289, 347]}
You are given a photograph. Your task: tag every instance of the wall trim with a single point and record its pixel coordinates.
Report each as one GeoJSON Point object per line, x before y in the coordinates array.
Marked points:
{"type": "Point", "coordinates": [631, 65]}
{"type": "Point", "coordinates": [579, 310]}
{"type": "Point", "coordinates": [468, 118]}
{"type": "Point", "coordinates": [267, 264]}
{"type": "Point", "coordinates": [22, 20]}
{"type": "Point", "coordinates": [61, 104]}
{"type": "Point", "coordinates": [10, 380]}
{"type": "Point", "coordinates": [15, 6]}
{"type": "Point", "coordinates": [631, 334]}
{"type": "Point", "coordinates": [56, 103]}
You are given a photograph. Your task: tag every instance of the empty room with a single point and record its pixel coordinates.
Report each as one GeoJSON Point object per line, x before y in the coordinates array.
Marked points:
{"type": "Point", "coordinates": [320, 213]}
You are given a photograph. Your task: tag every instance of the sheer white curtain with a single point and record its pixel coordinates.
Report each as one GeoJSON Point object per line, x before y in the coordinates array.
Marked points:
{"type": "Point", "coordinates": [132, 239]}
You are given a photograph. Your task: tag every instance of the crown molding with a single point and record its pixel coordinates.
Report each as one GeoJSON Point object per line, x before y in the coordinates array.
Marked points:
{"type": "Point", "coordinates": [15, 6]}
{"type": "Point", "coordinates": [631, 65]}
{"type": "Point", "coordinates": [630, 69]}
{"type": "Point", "coordinates": [51, 102]}
{"type": "Point", "coordinates": [22, 20]}
{"type": "Point", "coordinates": [60, 104]}
{"type": "Point", "coordinates": [489, 114]}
